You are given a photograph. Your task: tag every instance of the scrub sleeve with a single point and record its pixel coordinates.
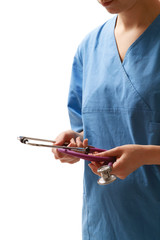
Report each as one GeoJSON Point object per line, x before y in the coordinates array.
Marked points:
{"type": "Point", "coordinates": [75, 95]}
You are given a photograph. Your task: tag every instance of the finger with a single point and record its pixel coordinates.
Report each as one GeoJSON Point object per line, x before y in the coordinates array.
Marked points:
{"type": "Point", "coordinates": [72, 144]}
{"type": "Point", "coordinates": [85, 143]}
{"type": "Point", "coordinates": [75, 161]}
{"type": "Point", "coordinates": [79, 142]}
{"type": "Point", "coordinates": [70, 161]}
{"type": "Point", "coordinates": [118, 166]}
{"type": "Point", "coordinates": [54, 151]}
{"type": "Point", "coordinates": [59, 155]}
{"type": "Point", "coordinates": [72, 141]}
{"type": "Point", "coordinates": [114, 152]}
{"type": "Point", "coordinates": [97, 164]}
{"type": "Point", "coordinates": [94, 169]}
{"type": "Point", "coordinates": [66, 158]}
{"type": "Point", "coordinates": [60, 140]}
{"type": "Point", "coordinates": [63, 137]}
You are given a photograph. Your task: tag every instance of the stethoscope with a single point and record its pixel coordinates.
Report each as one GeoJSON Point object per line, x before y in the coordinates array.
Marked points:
{"type": "Point", "coordinates": [83, 153]}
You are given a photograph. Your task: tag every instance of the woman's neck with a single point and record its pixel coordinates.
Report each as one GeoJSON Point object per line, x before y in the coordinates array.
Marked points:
{"type": "Point", "coordinates": [141, 14]}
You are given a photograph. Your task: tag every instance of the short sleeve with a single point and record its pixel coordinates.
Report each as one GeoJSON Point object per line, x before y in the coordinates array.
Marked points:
{"type": "Point", "coordinates": [75, 95]}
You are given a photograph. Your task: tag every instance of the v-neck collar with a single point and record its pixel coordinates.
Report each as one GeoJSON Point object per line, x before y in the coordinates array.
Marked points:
{"type": "Point", "coordinates": [134, 43]}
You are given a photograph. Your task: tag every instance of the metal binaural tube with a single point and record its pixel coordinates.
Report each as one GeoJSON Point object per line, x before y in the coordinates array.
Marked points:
{"type": "Point", "coordinates": [25, 140]}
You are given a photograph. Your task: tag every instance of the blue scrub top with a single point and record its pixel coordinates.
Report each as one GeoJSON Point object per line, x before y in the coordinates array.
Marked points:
{"type": "Point", "coordinates": [117, 103]}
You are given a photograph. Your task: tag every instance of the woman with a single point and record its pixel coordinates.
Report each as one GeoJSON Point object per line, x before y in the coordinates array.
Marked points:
{"type": "Point", "coordinates": [114, 103]}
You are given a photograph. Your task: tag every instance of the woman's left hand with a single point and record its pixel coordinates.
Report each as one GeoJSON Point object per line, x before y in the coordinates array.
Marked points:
{"type": "Point", "coordinates": [128, 159]}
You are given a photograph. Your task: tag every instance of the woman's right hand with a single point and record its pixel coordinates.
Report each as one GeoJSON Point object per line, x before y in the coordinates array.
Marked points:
{"type": "Point", "coordinates": [74, 139]}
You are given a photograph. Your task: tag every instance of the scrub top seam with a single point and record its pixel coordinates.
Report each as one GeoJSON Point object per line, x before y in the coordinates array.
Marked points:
{"type": "Point", "coordinates": [122, 63]}
{"type": "Point", "coordinates": [88, 221]}
{"type": "Point", "coordinates": [135, 90]}
{"type": "Point", "coordinates": [139, 38]}
{"type": "Point", "coordinates": [86, 110]}
{"type": "Point", "coordinates": [86, 202]}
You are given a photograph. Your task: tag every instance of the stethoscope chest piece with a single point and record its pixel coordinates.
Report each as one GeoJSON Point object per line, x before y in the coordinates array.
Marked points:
{"type": "Point", "coordinates": [106, 177]}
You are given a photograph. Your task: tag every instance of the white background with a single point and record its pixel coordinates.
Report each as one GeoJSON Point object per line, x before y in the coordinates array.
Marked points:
{"type": "Point", "coordinates": [40, 198]}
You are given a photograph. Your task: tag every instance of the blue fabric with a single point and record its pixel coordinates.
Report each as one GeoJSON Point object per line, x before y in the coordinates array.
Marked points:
{"type": "Point", "coordinates": [118, 103]}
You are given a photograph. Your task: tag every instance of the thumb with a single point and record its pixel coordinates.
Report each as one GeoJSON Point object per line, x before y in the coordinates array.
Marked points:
{"type": "Point", "coordinates": [61, 140]}
{"type": "Point", "coordinates": [114, 152]}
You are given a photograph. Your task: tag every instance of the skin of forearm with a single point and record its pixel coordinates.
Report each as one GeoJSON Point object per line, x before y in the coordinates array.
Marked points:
{"type": "Point", "coordinates": [152, 155]}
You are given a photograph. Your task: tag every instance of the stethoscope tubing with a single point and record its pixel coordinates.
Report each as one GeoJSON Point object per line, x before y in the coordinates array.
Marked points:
{"type": "Point", "coordinates": [89, 157]}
